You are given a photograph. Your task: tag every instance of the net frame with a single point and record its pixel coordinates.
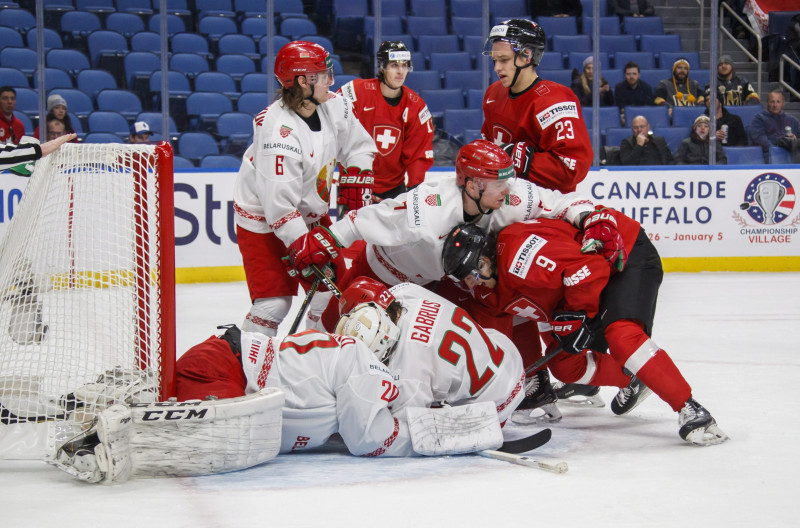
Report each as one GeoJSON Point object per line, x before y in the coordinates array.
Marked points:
{"type": "Point", "coordinates": [87, 287]}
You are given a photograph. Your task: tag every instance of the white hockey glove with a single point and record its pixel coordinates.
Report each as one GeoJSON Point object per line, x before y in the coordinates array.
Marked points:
{"type": "Point", "coordinates": [117, 385]}
{"type": "Point", "coordinates": [454, 430]}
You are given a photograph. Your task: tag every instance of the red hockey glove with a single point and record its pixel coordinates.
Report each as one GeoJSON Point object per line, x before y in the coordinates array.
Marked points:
{"type": "Point", "coordinates": [318, 246]}
{"type": "Point", "coordinates": [522, 155]}
{"type": "Point", "coordinates": [355, 189]}
{"type": "Point", "coordinates": [307, 275]}
{"type": "Point", "coordinates": [571, 332]}
{"type": "Point", "coordinates": [600, 235]}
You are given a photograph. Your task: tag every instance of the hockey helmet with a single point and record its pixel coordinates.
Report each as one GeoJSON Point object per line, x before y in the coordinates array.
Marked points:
{"type": "Point", "coordinates": [364, 289]}
{"type": "Point", "coordinates": [483, 159]}
{"type": "Point", "coordinates": [393, 50]}
{"type": "Point", "coordinates": [523, 35]}
{"type": "Point", "coordinates": [370, 324]}
{"type": "Point", "coordinates": [302, 58]}
{"type": "Point", "coordinates": [462, 251]}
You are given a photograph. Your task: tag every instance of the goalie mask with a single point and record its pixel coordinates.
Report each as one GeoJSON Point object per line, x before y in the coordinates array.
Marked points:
{"type": "Point", "coordinates": [371, 325]}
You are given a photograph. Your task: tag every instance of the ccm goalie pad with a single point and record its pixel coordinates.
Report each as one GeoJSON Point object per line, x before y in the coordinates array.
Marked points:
{"type": "Point", "coordinates": [454, 430]}
{"type": "Point", "coordinates": [176, 439]}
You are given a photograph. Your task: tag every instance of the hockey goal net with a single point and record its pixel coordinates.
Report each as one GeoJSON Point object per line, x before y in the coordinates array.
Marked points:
{"type": "Point", "coordinates": [86, 288]}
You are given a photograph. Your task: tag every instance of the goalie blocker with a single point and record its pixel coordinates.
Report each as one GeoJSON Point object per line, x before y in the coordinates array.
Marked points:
{"type": "Point", "coordinates": [176, 439]}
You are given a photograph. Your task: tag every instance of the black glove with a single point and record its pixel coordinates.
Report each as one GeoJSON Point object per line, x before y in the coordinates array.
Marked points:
{"type": "Point", "coordinates": [522, 155]}
{"type": "Point", "coordinates": [571, 332]}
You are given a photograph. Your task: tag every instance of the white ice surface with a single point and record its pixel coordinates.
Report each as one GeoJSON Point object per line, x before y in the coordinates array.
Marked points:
{"type": "Point", "coordinates": [733, 335]}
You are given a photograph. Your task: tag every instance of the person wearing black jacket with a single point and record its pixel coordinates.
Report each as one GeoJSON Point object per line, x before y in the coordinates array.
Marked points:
{"type": "Point", "coordinates": [643, 147]}
{"type": "Point", "coordinates": [734, 135]}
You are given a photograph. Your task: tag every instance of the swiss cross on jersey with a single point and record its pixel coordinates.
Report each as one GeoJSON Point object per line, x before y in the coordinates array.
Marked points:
{"type": "Point", "coordinates": [526, 308]}
{"type": "Point", "coordinates": [386, 138]}
{"type": "Point", "coordinates": [501, 134]}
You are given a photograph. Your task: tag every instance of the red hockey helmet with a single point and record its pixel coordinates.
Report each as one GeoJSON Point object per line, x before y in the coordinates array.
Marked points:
{"type": "Point", "coordinates": [301, 57]}
{"type": "Point", "coordinates": [483, 159]}
{"type": "Point", "coordinates": [362, 290]}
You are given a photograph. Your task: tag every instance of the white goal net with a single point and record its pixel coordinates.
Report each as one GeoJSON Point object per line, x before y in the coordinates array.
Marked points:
{"type": "Point", "coordinates": [86, 288]}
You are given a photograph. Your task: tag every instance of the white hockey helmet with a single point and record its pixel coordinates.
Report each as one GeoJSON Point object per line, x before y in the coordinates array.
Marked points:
{"type": "Point", "coordinates": [370, 324]}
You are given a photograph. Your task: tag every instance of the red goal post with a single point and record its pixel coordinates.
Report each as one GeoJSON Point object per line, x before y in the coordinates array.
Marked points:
{"type": "Point", "coordinates": [87, 287]}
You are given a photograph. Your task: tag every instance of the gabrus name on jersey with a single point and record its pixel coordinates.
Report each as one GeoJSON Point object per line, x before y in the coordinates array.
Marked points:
{"type": "Point", "coordinates": [556, 112]}
{"type": "Point", "coordinates": [425, 321]}
{"type": "Point", "coordinates": [525, 255]}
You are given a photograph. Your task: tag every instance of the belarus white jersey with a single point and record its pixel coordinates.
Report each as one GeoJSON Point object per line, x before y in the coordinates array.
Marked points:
{"type": "Point", "coordinates": [405, 235]}
{"type": "Point", "coordinates": [285, 179]}
{"type": "Point", "coordinates": [444, 356]}
{"type": "Point", "coordinates": [332, 384]}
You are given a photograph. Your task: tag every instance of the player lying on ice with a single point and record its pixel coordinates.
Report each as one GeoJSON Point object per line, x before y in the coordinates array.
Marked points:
{"type": "Point", "coordinates": [548, 272]}
{"type": "Point", "coordinates": [316, 384]}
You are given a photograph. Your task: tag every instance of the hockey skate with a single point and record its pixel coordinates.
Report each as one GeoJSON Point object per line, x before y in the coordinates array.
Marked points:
{"type": "Point", "coordinates": [578, 395]}
{"type": "Point", "coordinates": [539, 405]}
{"type": "Point", "coordinates": [698, 427]}
{"type": "Point", "coordinates": [629, 397]}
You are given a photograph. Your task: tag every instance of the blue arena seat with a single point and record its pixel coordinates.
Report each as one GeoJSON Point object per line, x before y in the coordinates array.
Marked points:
{"type": "Point", "coordinates": [458, 120]}
{"type": "Point", "coordinates": [418, 25]}
{"type": "Point", "coordinates": [110, 122]}
{"type": "Point", "coordinates": [744, 155]}
{"type": "Point", "coordinates": [70, 60]}
{"type": "Point", "coordinates": [19, 19]}
{"type": "Point", "coordinates": [463, 79]}
{"type": "Point", "coordinates": [51, 39]}
{"type": "Point", "coordinates": [609, 25]}
{"type": "Point", "coordinates": [196, 145]}
{"type": "Point", "coordinates": [672, 135]}
{"type": "Point", "coordinates": [252, 102]}
{"type": "Point", "coordinates": [419, 80]}
{"type": "Point", "coordinates": [53, 78]}
{"type": "Point", "coordinates": [746, 112]}
{"type": "Point", "coordinates": [645, 59]}
{"type": "Point", "coordinates": [235, 130]}
{"type": "Point", "coordinates": [575, 60]}
{"type": "Point", "coordinates": [450, 61]}
{"type": "Point", "coordinates": [294, 28]}
{"type": "Point", "coordinates": [237, 66]}
{"type": "Point", "coordinates": [463, 26]}
{"type": "Point", "coordinates": [779, 156]}
{"type": "Point", "coordinates": [127, 24]}
{"type": "Point", "coordinates": [428, 44]}
{"type": "Point", "coordinates": [15, 78]}
{"type": "Point", "coordinates": [649, 25]}
{"type": "Point", "coordinates": [465, 8]}
{"type": "Point", "coordinates": [203, 109]}
{"type": "Point", "coordinates": [10, 38]}
{"type": "Point", "coordinates": [667, 58]}
{"type": "Point", "coordinates": [106, 49]}
{"type": "Point", "coordinates": [609, 116]}
{"type": "Point", "coordinates": [615, 135]}
{"type": "Point", "coordinates": [430, 8]}
{"type": "Point", "coordinates": [123, 101]}
{"type": "Point", "coordinates": [21, 59]}
{"type": "Point", "coordinates": [222, 161]}
{"type": "Point", "coordinates": [657, 116]}
{"type": "Point", "coordinates": [216, 81]}
{"type": "Point", "coordinates": [189, 43]}
{"type": "Point", "coordinates": [102, 137]}
{"type": "Point", "coordinates": [146, 41]}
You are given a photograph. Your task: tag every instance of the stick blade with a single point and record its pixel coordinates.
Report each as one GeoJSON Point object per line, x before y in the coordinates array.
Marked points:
{"type": "Point", "coordinates": [528, 443]}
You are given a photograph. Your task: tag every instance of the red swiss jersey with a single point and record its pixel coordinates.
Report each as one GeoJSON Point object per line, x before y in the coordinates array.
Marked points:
{"type": "Point", "coordinates": [11, 130]}
{"type": "Point", "coordinates": [541, 269]}
{"type": "Point", "coordinates": [547, 116]}
{"type": "Point", "coordinates": [402, 133]}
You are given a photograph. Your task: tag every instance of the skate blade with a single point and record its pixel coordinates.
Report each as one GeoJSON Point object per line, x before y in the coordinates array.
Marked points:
{"type": "Point", "coordinates": [583, 401]}
{"type": "Point", "coordinates": [545, 414]}
{"type": "Point", "coordinates": [707, 436]}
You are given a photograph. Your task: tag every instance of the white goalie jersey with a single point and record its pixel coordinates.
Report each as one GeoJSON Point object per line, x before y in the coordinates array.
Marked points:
{"type": "Point", "coordinates": [405, 235]}
{"type": "Point", "coordinates": [332, 384]}
{"type": "Point", "coordinates": [443, 356]}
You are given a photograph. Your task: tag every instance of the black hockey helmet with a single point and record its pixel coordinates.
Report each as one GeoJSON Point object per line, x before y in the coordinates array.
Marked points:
{"type": "Point", "coordinates": [462, 250]}
{"type": "Point", "coordinates": [526, 37]}
{"type": "Point", "coordinates": [393, 50]}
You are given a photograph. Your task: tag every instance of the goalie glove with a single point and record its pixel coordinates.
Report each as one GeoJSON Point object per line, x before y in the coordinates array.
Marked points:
{"type": "Point", "coordinates": [355, 189]}
{"type": "Point", "coordinates": [522, 155]}
{"type": "Point", "coordinates": [571, 331]}
{"type": "Point", "coordinates": [600, 235]}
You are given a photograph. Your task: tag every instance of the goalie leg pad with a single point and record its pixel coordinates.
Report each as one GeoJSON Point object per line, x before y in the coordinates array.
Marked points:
{"type": "Point", "coordinates": [177, 439]}
{"type": "Point", "coordinates": [454, 430]}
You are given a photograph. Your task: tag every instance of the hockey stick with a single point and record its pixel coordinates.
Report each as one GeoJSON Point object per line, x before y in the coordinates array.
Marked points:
{"type": "Point", "coordinates": [326, 281]}
{"type": "Point", "coordinates": [303, 307]}
{"type": "Point", "coordinates": [509, 452]}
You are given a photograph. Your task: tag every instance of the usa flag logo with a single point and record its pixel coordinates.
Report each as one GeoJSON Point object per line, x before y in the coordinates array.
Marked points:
{"type": "Point", "coordinates": [755, 198]}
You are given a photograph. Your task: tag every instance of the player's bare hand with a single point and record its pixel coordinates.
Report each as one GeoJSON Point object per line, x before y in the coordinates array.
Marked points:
{"type": "Point", "coordinates": [53, 145]}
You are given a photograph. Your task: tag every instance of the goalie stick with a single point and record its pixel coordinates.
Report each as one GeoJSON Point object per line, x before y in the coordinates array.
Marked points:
{"type": "Point", "coordinates": [510, 452]}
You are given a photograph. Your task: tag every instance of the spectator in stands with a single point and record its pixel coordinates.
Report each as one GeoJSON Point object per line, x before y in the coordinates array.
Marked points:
{"type": "Point", "coordinates": [55, 128]}
{"type": "Point", "coordinates": [632, 90]}
{"type": "Point", "coordinates": [793, 50]}
{"type": "Point", "coordinates": [57, 108]}
{"type": "Point", "coordinates": [636, 8]}
{"type": "Point", "coordinates": [773, 126]}
{"type": "Point", "coordinates": [643, 147]}
{"type": "Point", "coordinates": [730, 129]}
{"type": "Point", "coordinates": [678, 90]}
{"type": "Point", "coordinates": [555, 8]}
{"type": "Point", "coordinates": [694, 149]}
{"type": "Point", "coordinates": [770, 126]}
{"type": "Point", "coordinates": [11, 128]}
{"type": "Point", "coordinates": [733, 89]}
{"type": "Point", "coordinates": [140, 133]}
{"type": "Point", "coordinates": [582, 86]}
{"type": "Point", "coordinates": [397, 118]}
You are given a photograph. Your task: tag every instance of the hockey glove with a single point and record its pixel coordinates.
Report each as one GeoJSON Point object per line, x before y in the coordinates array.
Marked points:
{"type": "Point", "coordinates": [318, 246]}
{"type": "Point", "coordinates": [600, 235]}
{"type": "Point", "coordinates": [355, 189]}
{"type": "Point", "coordinates": [522, 155]}
{"type": "Point", "coordinates": [571, 332]}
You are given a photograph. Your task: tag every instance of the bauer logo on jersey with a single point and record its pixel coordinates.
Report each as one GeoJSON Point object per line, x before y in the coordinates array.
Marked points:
{"type": "Point", "coordinates": [525, 255]}
{"type": "Point", "coordinates": [557, 112]}
{"type": "Point", "coordinates": [424, 115]}
{"type": "Point", "coordinates": [386, 138]}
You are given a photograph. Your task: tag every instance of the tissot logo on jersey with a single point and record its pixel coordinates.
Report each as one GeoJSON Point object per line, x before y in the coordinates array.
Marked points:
{"type": "Point", "coordinates": [576, 277]}
{"type": "Point", "coordinates": [424, 115]}
{"type": "Point", "coordinates": [557, 112]}
{"type": "Point", "coordinates": [524, 257]}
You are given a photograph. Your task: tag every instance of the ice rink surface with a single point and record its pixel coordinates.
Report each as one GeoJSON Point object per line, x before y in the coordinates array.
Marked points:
{"type": "Point", "coordinates": [733, 335]}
